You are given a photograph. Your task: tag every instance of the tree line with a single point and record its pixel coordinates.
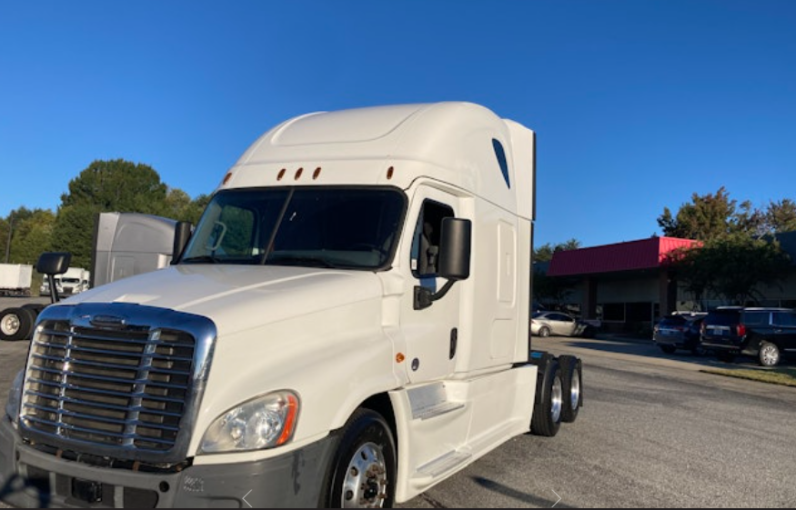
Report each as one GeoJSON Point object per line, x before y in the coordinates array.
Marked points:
{"type": "Point", "coordinates": [105, 186]}
{"type": "Point", "coordinates": [737, 254]}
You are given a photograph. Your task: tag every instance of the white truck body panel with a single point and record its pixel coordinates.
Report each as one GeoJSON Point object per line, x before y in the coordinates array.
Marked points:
{"type": "Point", "coordinates": [15, 277]}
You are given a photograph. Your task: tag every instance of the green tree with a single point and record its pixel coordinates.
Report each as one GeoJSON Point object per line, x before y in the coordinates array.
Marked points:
{"type": "Point", "coordinates": [781, 216]}
{"type": "Point", "coordinates": [105, 186]}
{"type": "Point", "coordinates": [711, 216]}
{"type": "Point", "coordinates": [732, 268]}
{"type": "Point", "coordinates": [545, 252]}
{"type": "Point", "coordinates": [179, 206]}
{"type": "Point", "coordinates": [31, 236]}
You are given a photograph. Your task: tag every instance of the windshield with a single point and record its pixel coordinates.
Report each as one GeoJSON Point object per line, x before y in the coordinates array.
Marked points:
{"type": "Point", "coordinates": [313, 227]}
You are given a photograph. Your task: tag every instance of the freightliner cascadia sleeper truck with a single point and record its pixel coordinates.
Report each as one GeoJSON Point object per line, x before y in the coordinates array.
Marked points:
{"type": "Point", "coordinates": [347, 326]}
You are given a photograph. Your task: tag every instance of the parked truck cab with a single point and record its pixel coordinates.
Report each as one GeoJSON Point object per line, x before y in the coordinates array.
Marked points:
{"type": "Point", "coordinates": [348, 325]}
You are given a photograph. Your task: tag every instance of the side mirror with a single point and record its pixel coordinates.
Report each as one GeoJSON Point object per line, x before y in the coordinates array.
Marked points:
{"type": "Point", "coordinates": [455, 249]}
{"type": "Point", "coordinates": [182, 234]}
{"type": "Point", "coordinates": [51, 264]}
{"type": "Point", "coordinates": [454, 259]}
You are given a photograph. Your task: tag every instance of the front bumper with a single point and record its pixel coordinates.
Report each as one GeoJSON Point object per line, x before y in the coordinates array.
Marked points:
{"type": "Point", "coordinates": [33, 479]}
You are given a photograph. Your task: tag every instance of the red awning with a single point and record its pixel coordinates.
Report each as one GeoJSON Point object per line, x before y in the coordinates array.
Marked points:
{"type": "Point", "coordinates": [630, 256]}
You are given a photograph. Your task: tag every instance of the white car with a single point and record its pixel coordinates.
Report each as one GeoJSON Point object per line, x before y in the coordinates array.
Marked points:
{"type": "Point", "coordinates": [546, 323]}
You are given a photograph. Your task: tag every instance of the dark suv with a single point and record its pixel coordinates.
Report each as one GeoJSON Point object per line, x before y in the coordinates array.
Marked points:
{"type": "Point", "coordinates": [679, 331]}
{"type": "Point", "coordinates": [768, 334]}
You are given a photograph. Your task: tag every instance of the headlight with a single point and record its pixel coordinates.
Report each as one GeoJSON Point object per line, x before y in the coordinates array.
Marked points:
{"type": "Point", "coordinates": [264, 422]}
{"type": "Point", "coordinates": [15, 397]}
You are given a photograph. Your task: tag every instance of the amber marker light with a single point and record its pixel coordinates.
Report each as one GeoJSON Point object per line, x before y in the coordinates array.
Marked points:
{"type": "Point", "coordinates": [390, 171]}
{"type": "Point", "coordinates": [227, 178]}
{"type": "Point", "coordinates": [399, 358]}
{"type": "Point", "coordinates": [290, 420]}
{"type": "Point", "coordinates": [281, 174]}
{"type": "Point", "coordinates": [298, 173]}
{"type": "Point", "coordinates": [316, 173]}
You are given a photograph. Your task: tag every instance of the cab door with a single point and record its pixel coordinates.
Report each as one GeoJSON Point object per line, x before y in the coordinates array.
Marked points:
{"type": "Point", "coordinates": [431, 334]}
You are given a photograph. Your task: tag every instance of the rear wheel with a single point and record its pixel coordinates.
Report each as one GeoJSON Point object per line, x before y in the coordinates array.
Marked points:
{"type": "Point", "coordinates": [547, 410]}
{"type": "Point", "coordinates": [544, 332]}
{"type": "Point", "coordinates": [363, 474]}
{"type": "Point", "coordinates": [16, 324]}
{"type": "Point", "coordinates": [668, 349]}
{"type": "Point", "coordinates": [572, 378]}
{"type": "Point", "coordinates": [768, 356]}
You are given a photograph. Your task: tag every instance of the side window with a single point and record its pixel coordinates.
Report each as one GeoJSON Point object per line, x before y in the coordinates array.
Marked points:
{"type": "Point", "coordinates": [425, 243]}
{"type": "Point", "coordinates": [756, 318]}
{"type": "Point", "coordinates": [785, 319]}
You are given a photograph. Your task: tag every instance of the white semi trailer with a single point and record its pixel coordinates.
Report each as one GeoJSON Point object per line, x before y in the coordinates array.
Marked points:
{"type": "Point", "coordinates": [15, 279]}
{"type": "Point", "coordinates": [347, 326]}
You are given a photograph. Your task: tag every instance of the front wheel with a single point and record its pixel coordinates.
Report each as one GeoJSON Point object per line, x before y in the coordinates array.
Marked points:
{"type": "Point", "coordinates": [768, 356]}
{"type": "Point", "coordinates": [363, 473]}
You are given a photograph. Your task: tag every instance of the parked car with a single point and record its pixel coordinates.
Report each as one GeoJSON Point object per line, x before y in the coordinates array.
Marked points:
{"type": "Point", "coordinates": [679, 331]}
{"type": "Point", "coordinates": [767, 334]}
{"type": "Point", "coordinates": [546, 323]}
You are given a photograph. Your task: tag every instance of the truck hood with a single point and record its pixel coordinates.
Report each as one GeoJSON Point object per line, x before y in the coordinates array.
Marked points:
{"type": "Point", "coordinates": [238, 297]}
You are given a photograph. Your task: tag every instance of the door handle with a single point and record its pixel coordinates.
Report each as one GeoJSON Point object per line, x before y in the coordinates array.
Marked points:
{"type": "Point", "coordinates": [454, 342]}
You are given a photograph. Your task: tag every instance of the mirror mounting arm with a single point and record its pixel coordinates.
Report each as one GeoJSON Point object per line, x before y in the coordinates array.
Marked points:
{"type": "Point", "coordinates": [424, 297]}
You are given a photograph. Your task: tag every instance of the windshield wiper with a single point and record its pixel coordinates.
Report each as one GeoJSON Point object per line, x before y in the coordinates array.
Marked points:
{"type": "Point", "coordinates": [300, 260]}
{"type": "Point", "coordinates": [201, 259]}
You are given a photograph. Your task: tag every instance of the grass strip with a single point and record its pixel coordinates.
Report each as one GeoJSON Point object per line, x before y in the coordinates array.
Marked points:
{"type": "Point", "coordinates": [781, 376]}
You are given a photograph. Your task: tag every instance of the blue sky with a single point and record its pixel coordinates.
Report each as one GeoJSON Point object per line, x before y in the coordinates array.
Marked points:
{"type": "Point", "coordinates": [636, 104]}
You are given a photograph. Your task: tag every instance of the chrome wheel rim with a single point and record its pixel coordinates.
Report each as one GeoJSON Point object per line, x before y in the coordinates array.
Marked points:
{"type": "Point", "coordinates": [770, 355]}
{"type": "Point", "coordinates": [574, 395]}
{"type": "Point", "coordinates": [556, 400]}
{"type": "Point", "coordinates": [9, 325]}
{"type": "Point", "coordinates": [365, 482]}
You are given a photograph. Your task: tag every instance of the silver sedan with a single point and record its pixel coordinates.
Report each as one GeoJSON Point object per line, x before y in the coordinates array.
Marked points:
{"type": "Point", "coordinates": [553, 323]}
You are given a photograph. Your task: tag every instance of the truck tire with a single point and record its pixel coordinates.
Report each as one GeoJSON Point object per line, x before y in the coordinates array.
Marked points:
{"type": "Point", "coordinates": [572, 376]}
{"type": "Point", "coordinates": [768, 355]}
{"type": "Point", "coordinates": [16, 324]}
{"type": "Point", "coordinates": [364, 467]}
{"type": "Point", "coordinates": [546, 418]}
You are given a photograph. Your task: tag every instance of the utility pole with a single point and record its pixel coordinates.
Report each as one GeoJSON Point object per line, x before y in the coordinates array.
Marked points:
{"type": "Point", "coordinates": [8, 242]}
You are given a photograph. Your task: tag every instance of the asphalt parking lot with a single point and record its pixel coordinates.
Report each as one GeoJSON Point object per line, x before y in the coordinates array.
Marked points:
{"type": "Point", "coordinates": [654, 432]}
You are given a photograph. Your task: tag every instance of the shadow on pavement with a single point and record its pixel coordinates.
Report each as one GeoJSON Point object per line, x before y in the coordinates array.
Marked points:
{"type": "Point", "coordinates": [519, 496]}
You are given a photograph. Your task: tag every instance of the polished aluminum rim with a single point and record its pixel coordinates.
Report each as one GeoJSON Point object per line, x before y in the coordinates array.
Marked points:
{"type": "Point", "coordinates": [556, 400]}
{"type": "Point", "coordinates": [365, 482]}
{"type": "Point", "coordinates": [574, 395]}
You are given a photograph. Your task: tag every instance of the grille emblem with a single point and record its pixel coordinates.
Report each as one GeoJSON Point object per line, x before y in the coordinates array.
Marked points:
{"type": "Point", "coordinates": [108, 321]}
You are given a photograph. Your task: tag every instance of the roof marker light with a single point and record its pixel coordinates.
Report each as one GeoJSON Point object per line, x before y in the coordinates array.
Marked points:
{"type": "Point", "coordinates": [298, 173]}
{"type": "Point", "coordinates": [390, 171]}
{"type": "Point", "coordinates": [227, 178]}
{"type": "Point", "coordinates": [281, 174]}
{"type": "Point", "coordinates": [316, 173]}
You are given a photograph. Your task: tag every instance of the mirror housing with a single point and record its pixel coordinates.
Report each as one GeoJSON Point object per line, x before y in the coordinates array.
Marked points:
{"type": "Point", "coordinates": [182, 234]}
{"type": "Point", "coordinates": [454, 260]}
{"type": "Point", "coordinates": [51, 264]}
{"type": "Point", "coordinates": [455, 249]}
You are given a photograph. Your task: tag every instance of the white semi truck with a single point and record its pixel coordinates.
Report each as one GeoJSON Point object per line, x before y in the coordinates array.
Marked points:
{"type": "Point", "coordinates": [74, 281]}
{"type": "Point", "coordinates": [347, 326]}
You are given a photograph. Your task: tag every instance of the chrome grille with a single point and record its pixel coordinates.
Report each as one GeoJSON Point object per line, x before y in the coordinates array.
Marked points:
{"type": "Point", "coordinates": [122, 390]}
